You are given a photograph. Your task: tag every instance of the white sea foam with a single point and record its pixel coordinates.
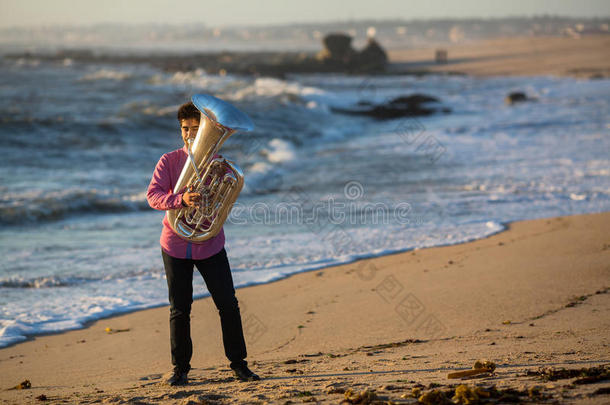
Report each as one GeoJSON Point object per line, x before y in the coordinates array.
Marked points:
{"type": "Point", "coordinates": [278, 151]}
{"type": "Point", "coordinates": [106, 74]}
{"type": "Point", "coordinates": [285, 91]}
{"type": "Point", "coordinates": [198, 80]}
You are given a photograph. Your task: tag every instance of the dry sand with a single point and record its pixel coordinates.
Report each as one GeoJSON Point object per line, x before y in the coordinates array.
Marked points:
{"type": "Point", "coordinates": [533, 296]}
{"type": "Point", "coordinates": [587, 56]}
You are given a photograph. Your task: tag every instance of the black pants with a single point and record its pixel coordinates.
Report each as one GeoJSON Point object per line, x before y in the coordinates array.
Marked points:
{"type": "Point", "coordinates": [217, 276]}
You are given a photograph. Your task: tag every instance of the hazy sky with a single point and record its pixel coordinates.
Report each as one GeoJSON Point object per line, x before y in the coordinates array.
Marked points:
{"type": "Point", "coordinates": [259, 12]}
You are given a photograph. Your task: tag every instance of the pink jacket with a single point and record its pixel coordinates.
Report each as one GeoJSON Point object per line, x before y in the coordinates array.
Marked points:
{"type": "Point", "coordinates": [161, 196]}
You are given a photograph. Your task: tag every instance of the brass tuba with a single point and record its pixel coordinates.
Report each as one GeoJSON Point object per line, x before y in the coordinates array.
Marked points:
{"type": "Point", "coordinates": [218, 180]}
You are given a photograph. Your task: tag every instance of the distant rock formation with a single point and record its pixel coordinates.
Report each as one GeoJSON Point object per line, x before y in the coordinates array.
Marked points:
{"type": "Point", "coordinates": [338, 54]}
{"type": "Point", "coordinates": [373, 57]}
{"type": "Point", "coordinates": [337, 49]}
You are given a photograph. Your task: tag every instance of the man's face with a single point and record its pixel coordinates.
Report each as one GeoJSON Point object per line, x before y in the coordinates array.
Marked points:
{"type": "Point", "coordinates": [189, 127]}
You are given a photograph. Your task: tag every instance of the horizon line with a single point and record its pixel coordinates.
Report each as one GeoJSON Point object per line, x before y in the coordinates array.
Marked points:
{"type": "Point", "coordinates": [306, 23]}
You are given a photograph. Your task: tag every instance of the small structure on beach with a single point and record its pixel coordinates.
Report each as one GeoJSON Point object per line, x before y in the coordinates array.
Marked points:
{"type": "Point", "coordinates": [440, 56]}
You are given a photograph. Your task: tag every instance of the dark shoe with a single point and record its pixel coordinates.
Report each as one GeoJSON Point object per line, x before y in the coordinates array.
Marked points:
{"type": "Point", "coordinates": [245, 374]}
{"type": "Point", "coordinates": [177, 378]}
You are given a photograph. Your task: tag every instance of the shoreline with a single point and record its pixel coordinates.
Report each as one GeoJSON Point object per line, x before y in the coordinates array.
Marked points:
{"type": "Point", "coordinates": [350, 313]}
{"type": "Point", "coordinates": [505, 227]}
{"type": "Point", "coordinates": [89, 323]}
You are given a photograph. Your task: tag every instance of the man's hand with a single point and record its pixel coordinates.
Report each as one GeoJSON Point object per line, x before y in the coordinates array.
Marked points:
{"type": "Point", "coordinates": [191, 199]}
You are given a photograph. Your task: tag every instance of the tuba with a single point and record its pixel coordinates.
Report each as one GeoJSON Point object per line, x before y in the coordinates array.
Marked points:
{"type": "Point", "coordinates": [218, 180]}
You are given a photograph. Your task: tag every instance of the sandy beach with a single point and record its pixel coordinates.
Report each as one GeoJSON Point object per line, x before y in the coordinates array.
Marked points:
{"type": "Point", "coordinates": [531, 299]}
{"type": "Point", "coordinates": [584, 57]}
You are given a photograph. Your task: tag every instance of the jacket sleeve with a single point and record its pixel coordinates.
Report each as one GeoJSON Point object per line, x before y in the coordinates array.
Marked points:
{"type": "Point", "coordinates": [160, 195]}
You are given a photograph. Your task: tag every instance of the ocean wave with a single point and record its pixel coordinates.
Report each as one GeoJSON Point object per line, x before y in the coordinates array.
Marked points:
{"type": "Point", "coordinates": [60, 130]}
{"type": "Point", "coordinates": [278, 151]}
{"type": "Point", "coordinates": [40, 282]}
{"type": "Point", "coordinates": [198, 79]}
{"type": "Point", "coordinates": [29, 62]}
{"type": "Point", "coordinates": [38, 205]}
{"type": "Point", "coordinates": [106, 74]}
{"type": "Point", "coordinates": [237, 88]}
{"type": "Point", "coordinates": [12, 118]}
{"type": "Point", "coordinates": [262, 176]}
{"type": "Point", "coordinates": [145, 108]}
{"type": "Point", "coordinates": [53, 281]}
{"type": "Point", "coordinates": [282, 90]}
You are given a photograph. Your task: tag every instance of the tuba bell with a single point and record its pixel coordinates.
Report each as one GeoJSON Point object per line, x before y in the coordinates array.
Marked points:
{"type": "Point", "coordinates": [218, 180]}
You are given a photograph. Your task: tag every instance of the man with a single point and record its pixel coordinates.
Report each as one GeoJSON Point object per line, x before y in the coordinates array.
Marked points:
{"type": "Point", "coordinates": [181, 256]}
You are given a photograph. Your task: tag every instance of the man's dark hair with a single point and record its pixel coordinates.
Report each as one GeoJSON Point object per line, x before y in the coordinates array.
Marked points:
{"type": "Point", "coordinates": [188, 110]}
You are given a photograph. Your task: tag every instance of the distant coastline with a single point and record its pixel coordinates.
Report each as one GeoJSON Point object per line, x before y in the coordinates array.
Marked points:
{"type": "Point", "coordinates": [583, 57]}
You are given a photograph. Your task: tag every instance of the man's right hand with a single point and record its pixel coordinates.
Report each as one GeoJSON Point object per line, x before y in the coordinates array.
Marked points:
{"type": "Point", "coordinates": [191, 199]}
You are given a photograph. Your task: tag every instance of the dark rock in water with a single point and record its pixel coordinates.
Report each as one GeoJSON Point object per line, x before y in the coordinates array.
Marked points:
{"type": "Point", "coordinates": [407, 106]}
{"type": "Point", "coordinates": [372, 57]}
{"type": "Point", "coordinates": [517, 97]}
{"type": "Point", "coordinates": [415, 99]}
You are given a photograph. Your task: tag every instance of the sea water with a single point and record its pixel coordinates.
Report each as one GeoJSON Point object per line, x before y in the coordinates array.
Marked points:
{"type": "Point", "coordinates": [79, 143]}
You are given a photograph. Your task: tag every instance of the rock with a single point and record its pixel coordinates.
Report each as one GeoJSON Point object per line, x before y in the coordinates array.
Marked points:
{"type": "Point", "coordinates": [406, 106]}
{"type": "Point", "coordinates": [517, 97]}
{"type": "Point", "coordinates": [338, 51]}
{"type": "Point", "coordinates": [372, 57]}
{"type": "Point", "coordinates": [338, 55]}
{"type": "Point", "coordinates": [415, 99]}
{"type": "Point", "coordinates": [338, 44]}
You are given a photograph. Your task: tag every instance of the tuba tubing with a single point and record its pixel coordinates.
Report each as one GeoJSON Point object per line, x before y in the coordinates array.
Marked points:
{"type": "Point", "coordinates": [218, 180]}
